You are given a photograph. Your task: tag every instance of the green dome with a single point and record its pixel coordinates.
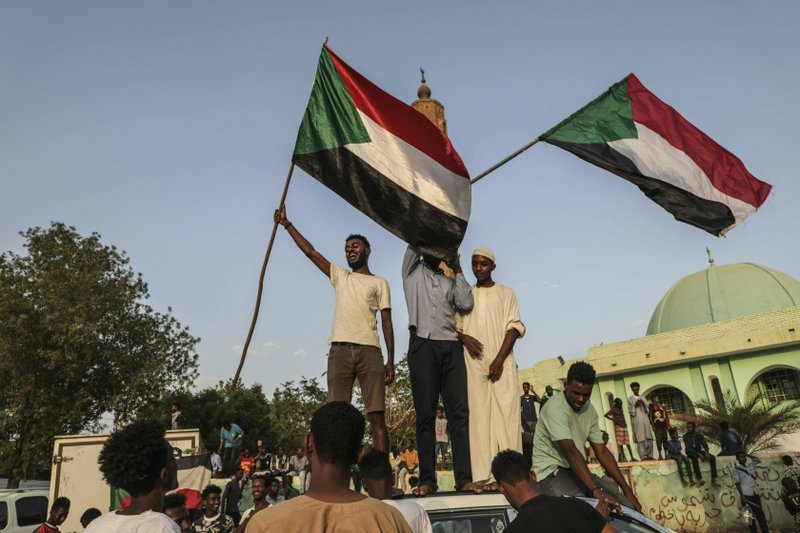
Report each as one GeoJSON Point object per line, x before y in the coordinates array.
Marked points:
{"type": "Point", "coordinates": [722, 293]}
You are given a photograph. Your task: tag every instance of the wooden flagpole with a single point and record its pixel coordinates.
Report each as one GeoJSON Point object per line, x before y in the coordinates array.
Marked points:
{"type": "Point", "coordinates": [261, 285]}
{"type": "Point", "coordinates": [504, 161]}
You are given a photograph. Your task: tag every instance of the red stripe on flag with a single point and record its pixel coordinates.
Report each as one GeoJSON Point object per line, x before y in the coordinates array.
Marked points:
{"type": "Point", "coordinates": [726, 172]}
{"type": "Point", "coordinates": [399, 118]}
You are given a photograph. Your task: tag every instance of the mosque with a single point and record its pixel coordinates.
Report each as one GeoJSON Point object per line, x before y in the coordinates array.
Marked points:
{"type": "Point", "coordinates": [729, 328]}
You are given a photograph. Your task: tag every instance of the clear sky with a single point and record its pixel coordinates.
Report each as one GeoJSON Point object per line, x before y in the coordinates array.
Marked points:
{"type": "Point", "coordinates": [168, 128]}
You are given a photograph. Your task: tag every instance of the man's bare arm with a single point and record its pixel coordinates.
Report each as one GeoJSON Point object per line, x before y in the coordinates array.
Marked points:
{"type": "Point", "coordinates": [388, 337]}
{"type": "Point", "coordinates": [317, 258]}
{"type": "Point", "coordinates": [609, 464]}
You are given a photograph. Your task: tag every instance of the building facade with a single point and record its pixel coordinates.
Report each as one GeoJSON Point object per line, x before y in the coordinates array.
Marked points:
{"type": "Point", "coordinates": [730, 329]}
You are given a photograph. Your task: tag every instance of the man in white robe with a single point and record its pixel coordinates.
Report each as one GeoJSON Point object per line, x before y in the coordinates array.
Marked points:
{"type": "Point", "coordinates": [640, 422]}
{"type": "Point", "coordinates": [488, 334]}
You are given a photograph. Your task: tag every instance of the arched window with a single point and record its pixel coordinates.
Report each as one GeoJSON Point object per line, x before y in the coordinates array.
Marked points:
{"type": "Point", "coordinates": [675, 400]}
{"type": "Point", "coordinates": [777, 385]}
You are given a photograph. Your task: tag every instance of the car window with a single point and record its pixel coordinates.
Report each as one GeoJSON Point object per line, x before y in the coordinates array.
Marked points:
{"type": "Point", "coordinates": [3, 515]}
{"type": "Point", "coordinates": [31, 511]}
{"type": "Point", "coordinates": [470, 520]}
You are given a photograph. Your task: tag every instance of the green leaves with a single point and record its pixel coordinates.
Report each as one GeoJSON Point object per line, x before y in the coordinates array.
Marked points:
{"type": "Point", "coordinates": [77, 340]}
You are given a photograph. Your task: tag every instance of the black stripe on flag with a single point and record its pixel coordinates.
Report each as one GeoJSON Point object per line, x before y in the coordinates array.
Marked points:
{"type": "Point", "coordinates": [407, 216]}
{"type": "Point", "coordinates": [708, 215]}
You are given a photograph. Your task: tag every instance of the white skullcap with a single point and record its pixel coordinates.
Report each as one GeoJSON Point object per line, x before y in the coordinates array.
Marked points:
{"type": "Point", "coordinates": [485, 252]}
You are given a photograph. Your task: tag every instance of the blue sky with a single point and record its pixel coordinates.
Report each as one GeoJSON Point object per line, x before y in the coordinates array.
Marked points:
{"type": "Point", "coordinates": [168, 128]}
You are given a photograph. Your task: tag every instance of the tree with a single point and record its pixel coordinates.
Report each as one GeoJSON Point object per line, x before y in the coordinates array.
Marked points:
{"type": "Point", "coordinates": [78, 340]}
{"type": "Point", "coordinates": [401, 418]}
{"type": "Point", "coordinates": [209, 408]}
{"type": "Point", "coordinates": [292, 406]}
{"type": "Point", "coordinates": [758, 421]}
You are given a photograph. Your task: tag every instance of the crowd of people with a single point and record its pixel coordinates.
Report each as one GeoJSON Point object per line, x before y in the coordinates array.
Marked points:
{"type": "Point", "coordinates": [461, 341]}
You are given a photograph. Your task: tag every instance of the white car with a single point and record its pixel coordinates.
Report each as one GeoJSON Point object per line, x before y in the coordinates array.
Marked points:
{"type": "Point", "coordinates": [491, 513]}
{"type": "Point", "coordinates": [21, 510]}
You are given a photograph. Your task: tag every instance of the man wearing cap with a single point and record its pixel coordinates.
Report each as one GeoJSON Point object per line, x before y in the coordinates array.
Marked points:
{"type": "Point", "coordinates": [488, 334]}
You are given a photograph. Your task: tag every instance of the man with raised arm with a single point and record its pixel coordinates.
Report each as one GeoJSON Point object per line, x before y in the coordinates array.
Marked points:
{"type": "Point", "coordinates": [355, 347]}
{"type": "Point", "coordinates": [559, 458]}
{"type": "Point", "coordinates": [436, 362]}
{"type": "Point", "coordinates": [488, 334]}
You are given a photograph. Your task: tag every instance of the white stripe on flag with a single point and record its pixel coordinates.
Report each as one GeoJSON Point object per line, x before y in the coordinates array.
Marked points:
{"type": "Point", "coordinates": [658, 159]}
{"type": "Point", "coordinates": [414, 170]}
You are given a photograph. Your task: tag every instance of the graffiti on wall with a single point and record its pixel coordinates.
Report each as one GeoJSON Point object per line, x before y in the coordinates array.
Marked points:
{"type": "Point", "coordinates": [706, 508]}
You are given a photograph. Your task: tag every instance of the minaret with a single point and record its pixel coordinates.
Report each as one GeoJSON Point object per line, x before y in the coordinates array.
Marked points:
{"type": "Point", "coordinates": [432, 109]}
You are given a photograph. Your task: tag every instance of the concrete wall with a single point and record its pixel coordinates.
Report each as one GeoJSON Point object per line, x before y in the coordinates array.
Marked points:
{"type": "Point", "coordinates": [706, 509]}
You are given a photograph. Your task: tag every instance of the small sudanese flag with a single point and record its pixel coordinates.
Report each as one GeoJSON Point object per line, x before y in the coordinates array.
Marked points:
{"type": "Point", "coordinates": [385, 158]}
{"type": "Point", "coordinates": [629, 131]}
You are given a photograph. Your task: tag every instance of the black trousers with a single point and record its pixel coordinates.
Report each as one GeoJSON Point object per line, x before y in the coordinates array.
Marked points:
{"type": "Point", "coordinates": [758, 512]}
{"type": "Point", "coordinates": [438, 367]}
{"type": "Point", "coordinates": [696, 466]}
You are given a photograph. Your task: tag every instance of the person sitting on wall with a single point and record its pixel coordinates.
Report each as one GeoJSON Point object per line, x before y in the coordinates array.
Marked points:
{"type": "Point", "coordinates": [675, 452]}
{"type": "Point", "coordinates": [697, 450]}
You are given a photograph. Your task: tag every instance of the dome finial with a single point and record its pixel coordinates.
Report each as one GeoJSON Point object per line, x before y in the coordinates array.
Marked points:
{"type": "Point", "coordinates": [710, 257]}
{"type": "Point", "coordinates": [424, 92]}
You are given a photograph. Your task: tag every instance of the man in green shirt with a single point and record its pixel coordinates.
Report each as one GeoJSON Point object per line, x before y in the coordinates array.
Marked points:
{"type": "Point", "coordinates": [559, 459]}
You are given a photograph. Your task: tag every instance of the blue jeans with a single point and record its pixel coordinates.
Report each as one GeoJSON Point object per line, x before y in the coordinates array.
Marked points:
{"type": "Point", "coordinates": [682, 461]}
{"type": "Point", "coordinates": [438, 367]}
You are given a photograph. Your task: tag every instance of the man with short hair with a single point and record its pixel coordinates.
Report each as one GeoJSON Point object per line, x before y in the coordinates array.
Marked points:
{"type": "Point", "coordinates": [674, 451]}
{"type": "Point", "coordinates": [617, 416]}
{"type": "Point", "coordinates": [541, 513]}
{"type": "Point", "coordinates": [436, 361]}
{"type": "Point", "coordinates": [298, 466]}
{"type": "Point", "coordinates": [640, 422]}
{"type": "Point", "coordinates": [696, 451]}
{"type": "Point", "coordinates": [215, 460]}
{"type": "Point", "coordinates": [488, 333]}
{"type": "Point", "coordinates": [548, 393]}
{"type": "Point", "coordinates": [410, 463]}
{"type": "Point", "coordinates": [262, 460]}
{"type": "Point", "coordinates": [729, 441]}
{"type": "Point", "coordinates": [175, 508]}
{"type": "Point", "coordinates": [58, 514]}
{"type": "Point", "coordinates": [213, 519]}
{"type": "Point", "coordinates": [139, 460]}
{"type": "Point", "coordinates": [176, 420]}
{"type": "Point", "coordinates": [442, 436]}
{"type": "Point", "coordinates": [527, 403]}
{"type": "Point", "coordinates": [559, 457]}
{"type": "Point", "coordinates": [280, 462]}
{"type": "Point", "coordinates": [659, 418]}
{"type": "Point", "coordinates": [744, 475]}
{"type": "Point", "coordinates": [90, 515]}
{"type": "Point", "coordinates": [377, 474]}
{"type": "Point", "coordinates": [789, 468]}
{"type": "Point", "coordinates": [258, 488]}
{"type": "Point", "coordinates": [274, 497]}
{"type": "Point", "coordinates": [230, 442]}
{"type": "Point", "coordinates": [355, 346]}
{"type": "Point", "coordinates": [333, 445]}
{"type": "Point", "coordinates": [232, 495]}
{"type": "Point", "coordinates": [287, 490]}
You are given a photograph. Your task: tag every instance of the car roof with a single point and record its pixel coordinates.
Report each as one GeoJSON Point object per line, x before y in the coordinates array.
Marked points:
{"type": "Point", "coordinates": [454, 501]}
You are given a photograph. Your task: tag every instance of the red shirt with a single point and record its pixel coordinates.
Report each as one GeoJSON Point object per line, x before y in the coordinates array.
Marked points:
{"type": "Point", "coordinates": [46, 528]}
{"type": "Point", "coordinates": [246, 464]}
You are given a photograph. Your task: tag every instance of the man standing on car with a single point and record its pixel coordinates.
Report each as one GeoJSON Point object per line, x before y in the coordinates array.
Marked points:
{"type": "Point", "coordinates": [559, 457]}
{"type": "Point", "coordinates": [436, 361]}
{"type": "Point", "coordinates": [488, 334]}
{"type": "Point", "coordinates": [541, 513]}
{"type": "Point", "coordinates": [355, 345]}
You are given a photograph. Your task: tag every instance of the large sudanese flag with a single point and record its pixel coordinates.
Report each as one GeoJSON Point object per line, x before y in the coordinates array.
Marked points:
{"type": "Point", "coordinates": [385, 158]}
{"type": "Point", "coordinates": [629, 131]}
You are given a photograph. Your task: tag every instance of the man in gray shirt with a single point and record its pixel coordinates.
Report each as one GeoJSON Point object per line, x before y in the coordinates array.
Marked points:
{"type": "Point", "coordinates": [436, 362]}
